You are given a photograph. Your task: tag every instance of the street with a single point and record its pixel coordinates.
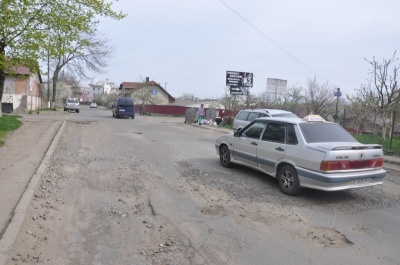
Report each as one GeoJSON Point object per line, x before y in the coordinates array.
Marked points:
{"type": "Point", "coordinates": [150, 190]}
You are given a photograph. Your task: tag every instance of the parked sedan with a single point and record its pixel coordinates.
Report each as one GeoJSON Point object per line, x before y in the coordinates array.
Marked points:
{"type": "Point", "coordinates": [307, 152]}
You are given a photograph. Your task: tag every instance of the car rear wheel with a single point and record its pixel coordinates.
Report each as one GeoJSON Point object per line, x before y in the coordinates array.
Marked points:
{"type": "Point", "coordinates": [225, 156]}
{"type": "Point", "coordinates": [288, 180]}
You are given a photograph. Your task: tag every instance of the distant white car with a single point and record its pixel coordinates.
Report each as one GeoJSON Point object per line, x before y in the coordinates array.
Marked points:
{"type": "Point", "coordinates": [307, 152]}
{"type": "Point", "coordinates": [93, 105]}
{"type": "Point", "coordinates": [72, 104]}
{"type": "Point", "coordinates": [246, 116]}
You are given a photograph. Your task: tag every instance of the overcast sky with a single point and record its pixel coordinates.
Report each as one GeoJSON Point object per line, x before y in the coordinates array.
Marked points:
{"type": "Point", "coordinates": [188, 45]}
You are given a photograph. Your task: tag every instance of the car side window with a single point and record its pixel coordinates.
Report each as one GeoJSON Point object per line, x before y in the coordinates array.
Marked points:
{"type": "Point", "coordinates": [275, 132]}
{"type": "Point", "coordinates": [263, 115]}
{"type": "Point", "coordinates": [254, 131]}
{"type": "Point", "coordinates": [242, 115]}
{"type": "Point", "coordinates": [292, 137]}
{"type": "Point", "coordinates": [252, 116]}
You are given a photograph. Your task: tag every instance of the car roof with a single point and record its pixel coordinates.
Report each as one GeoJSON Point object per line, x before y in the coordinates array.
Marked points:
{"type": "Point", "coordinates": [283, 119]}
{"type": "Point", "coordinates": [290, 120]}
{"type": "Point", "coordinates": [271, 111]}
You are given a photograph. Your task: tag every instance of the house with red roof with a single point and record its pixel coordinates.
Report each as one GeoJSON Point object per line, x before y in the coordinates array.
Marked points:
{"type": "Point", "coordinates": [22, 91]}
{"type": "Point", "coordinates": [148, 92]}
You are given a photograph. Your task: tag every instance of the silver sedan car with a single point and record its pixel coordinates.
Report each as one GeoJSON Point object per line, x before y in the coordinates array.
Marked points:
{"type": "Point", "coordinates": [307, 152]}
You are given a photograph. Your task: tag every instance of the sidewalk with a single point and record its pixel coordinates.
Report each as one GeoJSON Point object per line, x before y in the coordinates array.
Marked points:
{"type": "Point", "coordinates": [23, 160]}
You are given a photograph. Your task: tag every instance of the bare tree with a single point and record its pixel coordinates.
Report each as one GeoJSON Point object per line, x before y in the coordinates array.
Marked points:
{"type": "Point", "coordinates": [294, 100]}
{"type": "Point", "coordinates": [90, 53]}
{"type": "Point", "coordinates": [319, 98]}
{"type": "Point", "coordinates": [381, 92]}
{"type": "Point", "coordinates": [359, 114]}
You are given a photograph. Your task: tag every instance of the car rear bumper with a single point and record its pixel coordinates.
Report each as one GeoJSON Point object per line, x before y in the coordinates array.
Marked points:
{"type": "Point", "coordinates": [340, 181]}
{"type": "Point", "coordinates": [71, 108]}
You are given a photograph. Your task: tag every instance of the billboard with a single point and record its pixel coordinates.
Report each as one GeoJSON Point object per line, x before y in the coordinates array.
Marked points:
{"type": "Point", "coordinates": [276, 86]}
{"type": "Point", "coordinates": [239, 79]}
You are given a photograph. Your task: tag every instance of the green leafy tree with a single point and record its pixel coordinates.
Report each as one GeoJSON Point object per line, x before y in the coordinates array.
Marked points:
{"type": "Point", "coordinates": [27, 28]}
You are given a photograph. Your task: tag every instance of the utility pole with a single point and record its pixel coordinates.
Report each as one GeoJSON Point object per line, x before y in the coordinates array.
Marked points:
{"type": "Point", "coordinates": [337, 94]}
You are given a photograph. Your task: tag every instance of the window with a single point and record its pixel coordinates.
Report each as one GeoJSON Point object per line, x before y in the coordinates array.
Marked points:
{"type": "Point", "coordinates": [275, 132]}
{"type": "Point", "coordinates": [321, 132]}
{"type": "Point", "coordinates": [242, 115]}
{"type": "Point", "coordinates": [292, 137]}
{"type": "Point", "coordinates": [252, 116]}
{"type": "Point", "coordinates": [254, 131]}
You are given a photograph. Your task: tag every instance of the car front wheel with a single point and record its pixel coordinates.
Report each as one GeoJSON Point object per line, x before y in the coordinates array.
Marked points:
{"type": "Point", "coordinates": [225, 156]}
{"type": "Point", "coordinates": [289, 181]}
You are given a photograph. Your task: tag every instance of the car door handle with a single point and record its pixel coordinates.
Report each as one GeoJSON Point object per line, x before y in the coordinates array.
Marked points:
{"type": "Point", "coordinates": [279, 149]}
{"type": "Point", "coordinates": [254, 143]}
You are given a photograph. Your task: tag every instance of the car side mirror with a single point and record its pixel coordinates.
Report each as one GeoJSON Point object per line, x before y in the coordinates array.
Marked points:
{"type": "Point", "coordinates": [236, 134]}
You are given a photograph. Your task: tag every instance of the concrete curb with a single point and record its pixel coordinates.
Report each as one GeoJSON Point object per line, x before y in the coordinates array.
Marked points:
{"type": "Point", "coordinates": [12, 230]}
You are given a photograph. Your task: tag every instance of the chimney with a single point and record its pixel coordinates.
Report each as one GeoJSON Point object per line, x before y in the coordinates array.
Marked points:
{"type": "Point", "coordinates": [147, 79]}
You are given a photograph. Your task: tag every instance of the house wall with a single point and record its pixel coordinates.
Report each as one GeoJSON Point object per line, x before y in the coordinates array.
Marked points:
{"type": "Point", "coordinates": [162, 96]}
{"type": "Point", "coordinates": [23, 93]}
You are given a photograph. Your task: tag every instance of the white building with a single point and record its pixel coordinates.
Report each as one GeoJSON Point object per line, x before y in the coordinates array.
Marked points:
{"type": "Point", "coordinates": [101, 87]}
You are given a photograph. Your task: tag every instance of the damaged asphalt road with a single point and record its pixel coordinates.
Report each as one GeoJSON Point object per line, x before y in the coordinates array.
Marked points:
{"type": "Point", "coordinates": [151, 191]}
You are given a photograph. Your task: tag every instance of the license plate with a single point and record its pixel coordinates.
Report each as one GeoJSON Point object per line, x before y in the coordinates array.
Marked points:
{"type": "Point", "coordinates": [121, 110]}
{"type": "Point", "coordinates": [359, 181]}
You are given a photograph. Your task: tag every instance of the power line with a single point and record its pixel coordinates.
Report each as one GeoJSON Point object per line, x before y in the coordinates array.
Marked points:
{"type": "Point", "coordinates": [294, 58]}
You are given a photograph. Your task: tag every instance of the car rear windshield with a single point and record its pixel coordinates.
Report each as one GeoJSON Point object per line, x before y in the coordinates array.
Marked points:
{"type": "Point", "coordinates": [72, 101]}
{"type": "Point", "coordinates": [316, 132]}
{"type": "Point", "coordinates": [125, 103]}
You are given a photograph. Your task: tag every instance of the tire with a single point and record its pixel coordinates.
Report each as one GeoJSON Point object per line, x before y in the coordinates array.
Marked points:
{"type": "Point", "coordinates": [289, 181]}
{"type": "Point", "coordinates": [65, 109]}
{"type": "Point", "coordinates": [133, 116]}
{"type": "Point", "coordinates": [225, 156]}
{"type": "Point", "coordinates": [77, 111]}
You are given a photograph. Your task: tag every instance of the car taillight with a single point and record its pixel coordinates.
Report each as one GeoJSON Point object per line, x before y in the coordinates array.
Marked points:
{"type": "Point", "coordinates": [351, 164]}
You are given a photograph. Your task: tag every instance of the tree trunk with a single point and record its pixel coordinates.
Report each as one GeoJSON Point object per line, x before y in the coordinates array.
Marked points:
{"type": "Point", "coordinates": [2, 78]}
{"type": "Point", "coordinates": [55, 80]}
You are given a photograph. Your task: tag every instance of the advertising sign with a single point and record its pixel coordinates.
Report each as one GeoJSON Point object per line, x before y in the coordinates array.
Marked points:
{"type": "Point", "coordinates": [239, 79]}
{"type": "Point", "coordinates": [236, 91]}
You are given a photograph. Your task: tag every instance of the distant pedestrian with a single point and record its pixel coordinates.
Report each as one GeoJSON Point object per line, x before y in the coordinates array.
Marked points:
{"type": "Point", "coordinates": [141, 110]}
{"type": "Point", "coordinates": [201, 114]}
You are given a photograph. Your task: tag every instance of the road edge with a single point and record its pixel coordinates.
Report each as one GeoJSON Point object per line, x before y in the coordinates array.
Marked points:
{"type": "Point", "coordinates": [12, 230]}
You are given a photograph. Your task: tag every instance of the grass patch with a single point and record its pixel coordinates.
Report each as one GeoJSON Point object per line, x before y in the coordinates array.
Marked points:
{"type": "Point", "coordinates": [226, 126]}
{"type": "Point", "coordinates": [47, 109]}
{"type": "Point", "coordinates": [8, 123]}
{"type": "Point", "coordinates": [377, 139]}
